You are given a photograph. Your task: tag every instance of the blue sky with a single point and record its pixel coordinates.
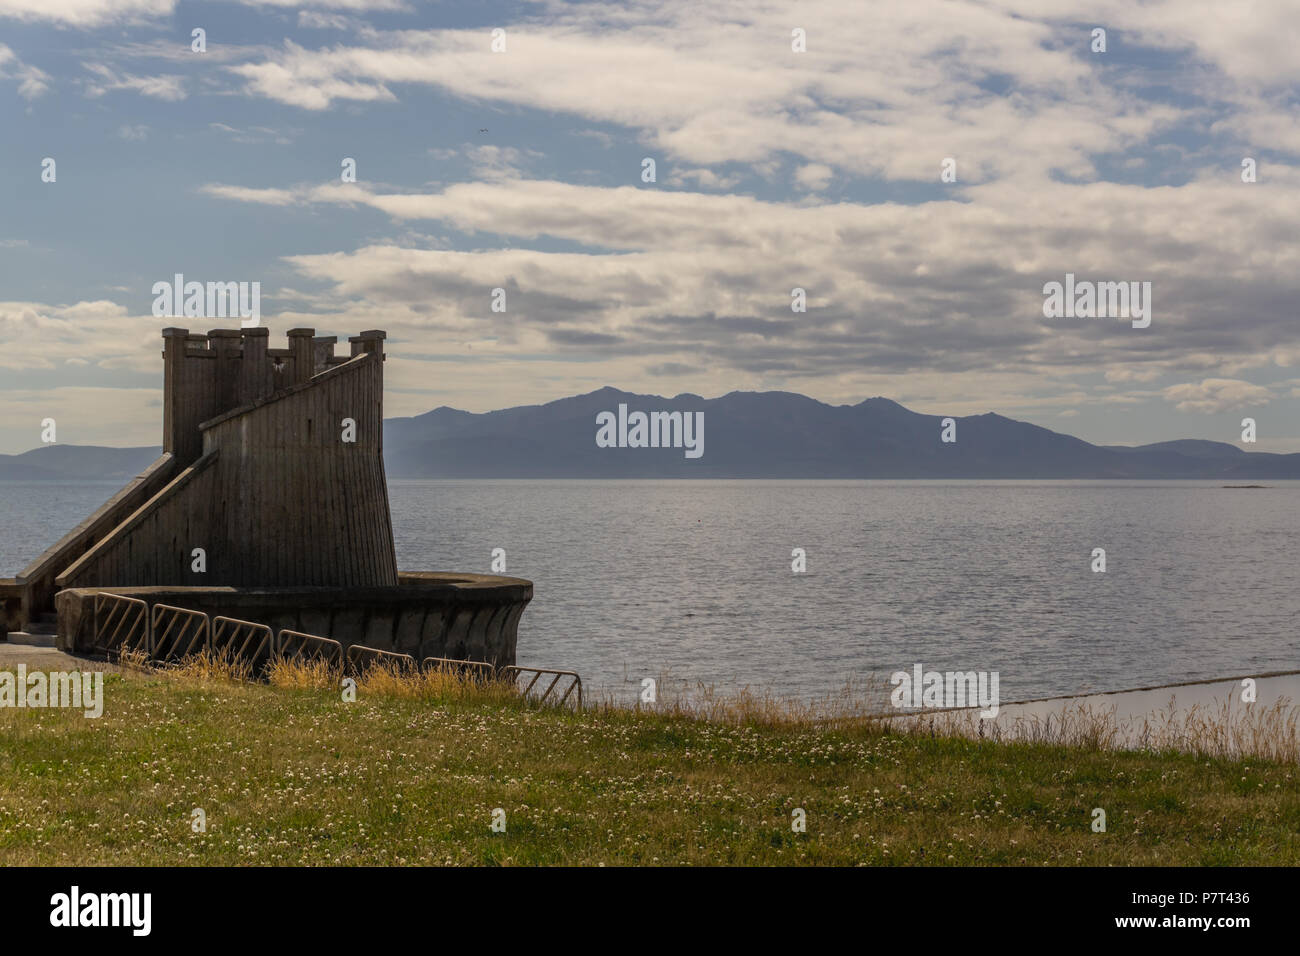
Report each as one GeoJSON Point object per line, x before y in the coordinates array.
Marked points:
{"type": "Point", "coordinates": [775, 169]}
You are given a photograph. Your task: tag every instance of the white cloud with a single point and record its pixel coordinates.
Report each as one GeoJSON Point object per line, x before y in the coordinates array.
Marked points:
{"type": "Point", "coordinates": [498, 162]}
{"type": "Point", "coordinates": [1215, 395]}
{"type": "Point", "coordinates": [256, 134]}
{"type": "Point", "coordinates": [32, 81]}
{"type": "Point", "coordinates": [940, 290]}
{"type": "Point", "coordinates": [266, 197]}
{"type": "Point", "coordinates": [315, 20]}
{"type": "Point", "coordinates": [356, 6]}
{"type": "Point", "coordinates": [1132, 374]}
{"type": "Point", "coordinates": [164, 87]}
{"type": "Point", "coordinates": [33, 333]}
{"type": "Point", "coordinates": [715, 83]}
{"type": "Point", "coordinates": [84, 13]}
{"type": "Point", "coordinates": [813, 177]}
{"type": "Point", "coordinates": [937, 302]}
{"type": "Point", "coordinates": [95, 13]}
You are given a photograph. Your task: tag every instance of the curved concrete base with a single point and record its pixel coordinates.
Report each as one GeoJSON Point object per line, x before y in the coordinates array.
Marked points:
{"type": "Point", "coordinates": [429, 614]}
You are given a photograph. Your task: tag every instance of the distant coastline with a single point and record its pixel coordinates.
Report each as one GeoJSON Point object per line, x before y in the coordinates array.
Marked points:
{"type": "Point", "coordinates": [756, 435]}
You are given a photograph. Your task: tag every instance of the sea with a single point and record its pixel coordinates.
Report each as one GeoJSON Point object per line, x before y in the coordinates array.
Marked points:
{"type": "Point", "coordinates": [801, 589]}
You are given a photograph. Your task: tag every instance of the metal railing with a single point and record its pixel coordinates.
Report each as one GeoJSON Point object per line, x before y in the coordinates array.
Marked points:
{"type": "Point", "coordinates": [480, 671]}
{"type": "Point", "coordinates": [295, 645]}
{"type": "Point", "coordinates": [513, 674]}
{"type": "Point", "coordinates": [362, 658]}
{"type": "Point", "coordinates": [245, 640]}
{"type": "Point", "coordinates": [120, 624]}
{"type": "Point", "coordinates": [178, 632]}
{"type": "Point", "coordinates": [168, 634]}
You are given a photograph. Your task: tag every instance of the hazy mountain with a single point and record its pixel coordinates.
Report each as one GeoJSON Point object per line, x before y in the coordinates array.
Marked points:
{"type": "Point", "coordinates": [746, 435]}
{"type": "Point", "coordinates": [784, 435]}
{"type": "Point", "coordinates": [63, 462]}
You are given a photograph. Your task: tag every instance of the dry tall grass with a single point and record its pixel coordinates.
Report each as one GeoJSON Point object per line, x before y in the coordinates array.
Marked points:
{"type": "Point", "coordinates": [1271, 732]}
{"type": "Point", "coordinates": [435, 685]}
{"type": "Point", "coordinates": [295, 674]}
{"type": "Point", "coordinates": [209, 666]}
{"type": "Point", "coordinates": [848, 706]}
{"type": "Point", "coordinates": [393, 680]}
{"type": "Point", "coordinates": [1224, 730]}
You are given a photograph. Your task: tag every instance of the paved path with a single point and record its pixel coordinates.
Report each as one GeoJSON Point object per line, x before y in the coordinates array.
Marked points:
{"type": "Point", "coordinates": [46, 659]}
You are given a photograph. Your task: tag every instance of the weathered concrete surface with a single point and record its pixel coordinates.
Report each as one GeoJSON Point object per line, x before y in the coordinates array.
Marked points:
{"type": "Point", "coordinates": [282, 495]}
{"type": "Point", "coordinates": [273, 473]}
{"type": "Point", "coordinates": [12, 594]}
{"type": "Point", "coordinates": [39, 639]}
{"type": "Point", "coordinates": [429, 614]}
{"type": "Point", "coordinates": [47, 659]}
{"type": "Point", "coordinates": [37, 581]}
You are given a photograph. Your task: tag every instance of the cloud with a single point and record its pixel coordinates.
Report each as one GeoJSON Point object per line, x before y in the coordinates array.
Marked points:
{"type": "Point", "coordinates": [938, 287]}
{"type": "Point", "coordinates": [164, 87]}
{"type": "Point", "coordinates": [84, 13]}
{"type": "Point", "coordinates": [813, 177]}
{"type": "Point", "coordinates": [498, 162]}
{"type": "Point", "coordinates": [934, 297]}
{"type": "Point", "coordinates": [1129, 374]}
{"type": "Point", "coordinates": [670, 369]}
{"type": "Point", "coordinates": [266, 197]}
{"type": "Point", "coordinates": [35, 335]}
{"type": "Point", "coordinates": [703, 178]}
{"type": "Point", "coordinates": [355, 6]}
{"type": "Point", "coordinates": [295, 80]}
{"type": "Point", "coordinates": [96, 13]}
{"type": "Point", "coordinates": [32, 81]}
{"type": "Point", "coordinates": [256, 134]}
{"type": "Point", "coordinates": [109, 415]}
{"type": "Point", "coordinates": [707, 86]}
{"type": "Point", "coordinates": [315, 20]}
{"type": "Point", "coordinates": [1215, 395]}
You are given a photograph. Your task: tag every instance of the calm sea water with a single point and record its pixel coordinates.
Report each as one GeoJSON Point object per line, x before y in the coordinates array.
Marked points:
{"type": "Point", "coordinates": [692, 580]}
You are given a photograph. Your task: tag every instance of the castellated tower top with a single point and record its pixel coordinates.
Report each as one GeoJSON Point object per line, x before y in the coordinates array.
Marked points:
{"type": "Point", "coordinates": [205, 376]}
{"type": "Point", "coordinates": [273, 466]}
{"type": "Point", "coordinates": [268, 504]}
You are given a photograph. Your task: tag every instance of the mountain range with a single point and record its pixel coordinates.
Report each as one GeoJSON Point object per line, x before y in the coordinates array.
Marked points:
{"type": "Point", "coordinates": [746, 435]}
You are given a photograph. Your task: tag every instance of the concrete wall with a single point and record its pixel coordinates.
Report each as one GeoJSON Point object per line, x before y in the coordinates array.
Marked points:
{"type": "Point", "coordinates": [461, 616]}
{"type": "Point", "coordinates": [277, 499]}
{"type": "Point", "coordinates": [299, 506]}
{"type": "Point", "coordinates": [11, 606]}
{"type": "Point", "coordinates": [39, 577]}
{"type": "Point", "coordinates": [207, 375]}
{"type": "Point", "coordinates": [154, 544]}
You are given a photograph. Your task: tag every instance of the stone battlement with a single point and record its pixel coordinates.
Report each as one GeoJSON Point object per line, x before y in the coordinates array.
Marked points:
{"type": "Point", "coordinates": [207, 375]}
{"type": "Point", "coordinates": [269, 503]}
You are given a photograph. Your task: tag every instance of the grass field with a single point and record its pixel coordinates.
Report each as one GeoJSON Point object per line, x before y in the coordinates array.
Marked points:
{"type": "Point", "coordinates": [295, 775]}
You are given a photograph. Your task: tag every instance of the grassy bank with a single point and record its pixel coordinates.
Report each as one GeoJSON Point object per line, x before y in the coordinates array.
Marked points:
{"type": "Point", "coordinates": [294, 775]}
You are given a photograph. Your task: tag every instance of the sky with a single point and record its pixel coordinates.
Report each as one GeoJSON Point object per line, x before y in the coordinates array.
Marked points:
{"type": "Point", "coordinates": [523, 169]}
